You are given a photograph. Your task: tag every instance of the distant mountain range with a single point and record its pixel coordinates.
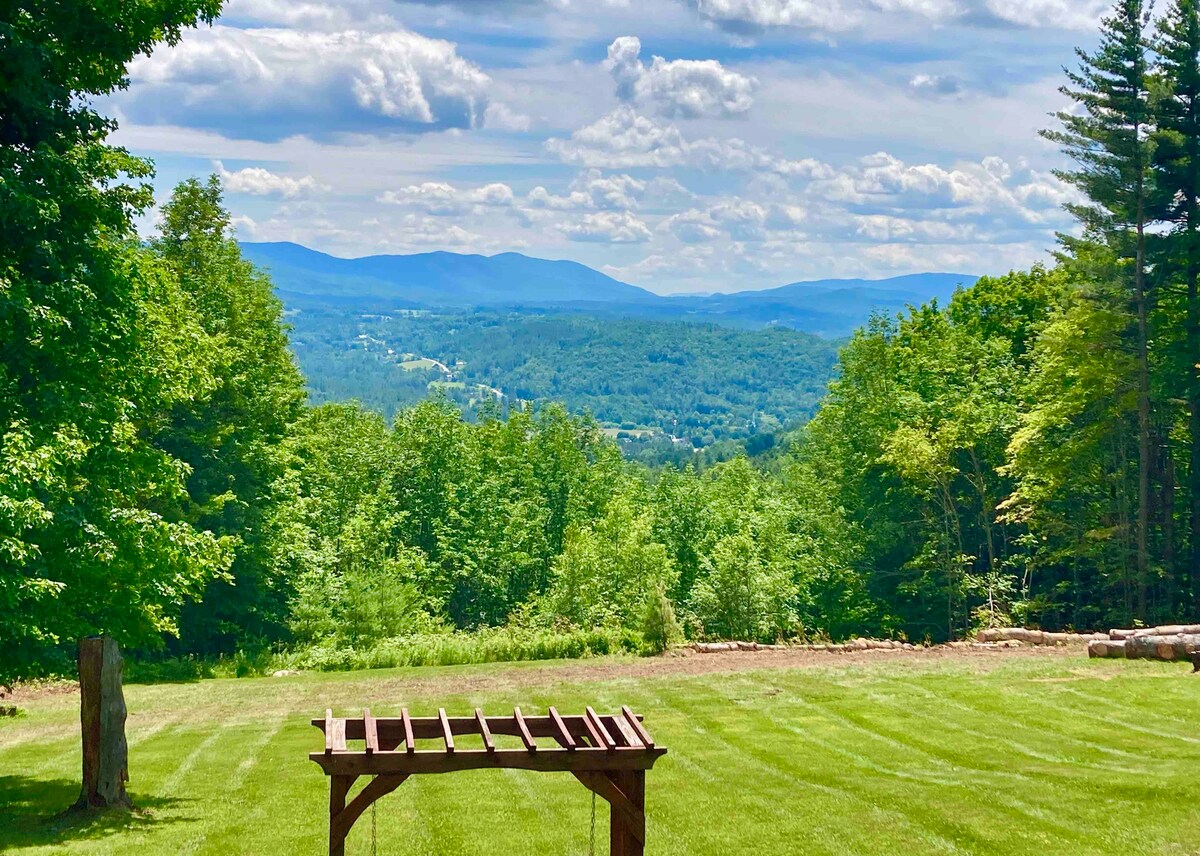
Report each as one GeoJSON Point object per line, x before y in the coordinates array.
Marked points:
{"type": "Point", "coordinates": [305, 277]}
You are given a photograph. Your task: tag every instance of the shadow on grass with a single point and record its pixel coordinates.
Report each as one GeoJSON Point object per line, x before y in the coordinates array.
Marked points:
{"type": "Point", "coordinates": [34, 813]}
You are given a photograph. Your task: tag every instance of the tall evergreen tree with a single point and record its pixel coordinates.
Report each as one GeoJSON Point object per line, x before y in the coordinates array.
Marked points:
{"type": "Point", "coordinates": [1178, 192]}
{"type": "Point", "coordinates": [1110, 140]}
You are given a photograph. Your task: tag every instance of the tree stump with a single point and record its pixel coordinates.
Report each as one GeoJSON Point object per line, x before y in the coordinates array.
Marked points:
{"type": "Point", "coordinates": [102, 717]}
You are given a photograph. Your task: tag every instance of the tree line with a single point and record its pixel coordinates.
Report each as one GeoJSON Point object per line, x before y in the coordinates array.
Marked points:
{"type": "Point", "coordinates": [1029, 452]}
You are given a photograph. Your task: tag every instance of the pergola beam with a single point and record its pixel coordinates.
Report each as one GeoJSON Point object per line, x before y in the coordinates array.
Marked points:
{"type": "Point", "coordinates": [609, 755]}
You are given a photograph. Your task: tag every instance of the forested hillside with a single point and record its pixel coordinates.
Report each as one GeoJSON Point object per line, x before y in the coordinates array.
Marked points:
{"type": "Point", "coordinates": [697, 383]}
{"type": "Point", "coordinates": [1029, 451]}
{"type": "Point", "coordinates": [512, 283]}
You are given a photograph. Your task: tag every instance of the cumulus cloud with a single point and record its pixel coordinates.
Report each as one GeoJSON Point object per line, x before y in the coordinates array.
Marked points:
{"type": "Point", "coordinates": [257, 181]}
{"type": "Point", "coordinates": [269, 84]}
{"type": "Point", "coordinates": [297, 13]}
{"type": "Point", "coordinates": [834, 16]}
{"type": "Point", "coordinates": [502, 117]}
{"type": "Point", "coordinates": [936, 85]}
{"type": "Point", "coordinates": [608, 227]}
{"type": "Point", "coordinates": [625, 139]}
{"type": "Point", "coordinates": [692, 227]}
{"type": "Point", "coordinates": [444, 200]}
{"type": "Point", "coordinates": [686, 89]}
{"type": "Point", "coordinates": [593, 189]}
{"type": "Point", "coordinates": [736, 218]}
{"type": "Point", "coordinates": [884, 183]}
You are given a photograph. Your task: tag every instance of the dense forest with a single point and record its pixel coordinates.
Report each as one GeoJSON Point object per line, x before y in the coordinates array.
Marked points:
{"type": "Point", "coordinates": [1028, 452]}
{"type": "Point", "coordinates": [698, 383]}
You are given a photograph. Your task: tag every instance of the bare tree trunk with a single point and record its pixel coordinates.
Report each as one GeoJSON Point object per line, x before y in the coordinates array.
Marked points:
{"type": "Point", "coordinates": [1175, 584]}
{"type": "Point", "coordinates": [102, 717]}
{"type": "Point", "coordinates": [1193, 343]}
{"type": "Point", "coordinates": [1143, 408]}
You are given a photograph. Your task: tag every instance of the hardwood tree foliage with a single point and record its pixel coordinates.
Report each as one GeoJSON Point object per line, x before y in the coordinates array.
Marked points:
{"type": "Point", "coordinates": [98, 342]}
{"type": "Point", "coordinates": [230, 437]}
{"type": "Point", "coordinates": [912, 442]}
{"type": "Point", "coordinates": [1029, 452]}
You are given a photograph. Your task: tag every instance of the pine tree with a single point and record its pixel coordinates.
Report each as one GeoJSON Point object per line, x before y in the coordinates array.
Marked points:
{"type": "Point", "coordinates": [1177, 160]}
{"type": "Point", "coordinates": [1110, 140]}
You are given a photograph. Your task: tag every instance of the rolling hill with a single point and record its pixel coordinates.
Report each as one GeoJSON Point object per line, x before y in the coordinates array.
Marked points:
{"type": "Point", "coordinates": [306, 278]}
{"type": "Point", "coordinates": [441, 280]}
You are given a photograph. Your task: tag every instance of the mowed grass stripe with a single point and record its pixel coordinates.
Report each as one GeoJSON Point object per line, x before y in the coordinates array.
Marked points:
{"type": "Point", "coordinates": [1024, 731]}
{"type": "Point", "coordinates": [1065, 727]}
{"type": "Point", "coordinates": [991, 794]}
{"type": "Point", "coordinates": [890, 756]}
{"type": "Point", "coordinates": [818, 796]}
{"type": "Point", "coordinates": [934, 832]}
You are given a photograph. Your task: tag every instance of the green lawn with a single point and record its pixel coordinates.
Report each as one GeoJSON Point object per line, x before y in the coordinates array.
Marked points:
{"type": "Point", "coordinates": [908, 755]}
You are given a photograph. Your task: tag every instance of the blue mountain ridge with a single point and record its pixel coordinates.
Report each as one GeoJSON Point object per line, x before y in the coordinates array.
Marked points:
{"type": "Point", "coordinates": [443, 280]}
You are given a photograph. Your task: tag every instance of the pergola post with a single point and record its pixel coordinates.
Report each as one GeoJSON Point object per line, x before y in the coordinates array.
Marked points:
{"type": "Point", "coordinates": [339, 786]}
{"type": "Point", "coordinates": [623, 840]}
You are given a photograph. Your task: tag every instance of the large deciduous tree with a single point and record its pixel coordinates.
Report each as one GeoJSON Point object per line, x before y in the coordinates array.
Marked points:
{"type": "Point", "coordinates": [230, 437]}
{"type": "Point", "coordinates": [96, 341]}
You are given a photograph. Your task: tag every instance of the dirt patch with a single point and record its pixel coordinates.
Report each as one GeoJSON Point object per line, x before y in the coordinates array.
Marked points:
{"type": "Point", "coordinates": [37, 689]}
{"type": "Point", "coordinates": [685, 663]}
{"type": "Point", "coordinates": [679, 663]}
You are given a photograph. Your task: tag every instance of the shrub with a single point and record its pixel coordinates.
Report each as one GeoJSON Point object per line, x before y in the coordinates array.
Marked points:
{"type": "Point", "coordinates": [659, 628]}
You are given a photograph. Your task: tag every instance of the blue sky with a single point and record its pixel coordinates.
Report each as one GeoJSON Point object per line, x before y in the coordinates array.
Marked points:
{"type": "Point", "coordinates": [681, 145]}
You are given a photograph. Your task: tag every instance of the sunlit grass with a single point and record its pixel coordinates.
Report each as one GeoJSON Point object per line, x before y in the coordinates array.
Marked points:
{"type": "Point", "coordinates": [898, 756]}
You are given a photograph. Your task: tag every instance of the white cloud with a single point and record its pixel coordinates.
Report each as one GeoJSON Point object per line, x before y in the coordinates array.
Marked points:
{"type": "Point", "coordinates": [692, 227]}
{"type": "Point", "coordinates": [502, 117]}
{"type": "Point", "coordinates": [609, 227]}
{"type": "Point", "coordinates": [445, 200]}
{"type": "Point", "coordinates": [835, 16]}
{"type": "Point", "coordinates": [273, 83]}
{"type": "Point", "coordinates": [935, 85]}
{"type": "Point", "coordinates": [882, 228]}
{"type": "Point", "coordinates": [296, 13]}
{"type": "Point", "coordinates": [243, 226]}
{"type": "Point", "coordinates": [256, 181]}
{"type": "Point", "coordinates": [613, 192]}
{"type": "Point", "coordinates": [823, 15]}
{"type": "Point", "coordinates": [1063, 14]}
{"type": "Point", "coordinates": [624, 139]}
{"type": "Point", "coordinates": [686, 89]}
{"type": "Point", "coordinates": [885, 183]}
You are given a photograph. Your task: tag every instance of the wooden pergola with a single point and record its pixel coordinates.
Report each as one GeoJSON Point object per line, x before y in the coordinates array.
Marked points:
{"type": "Point", "coordinates": [608, 754]}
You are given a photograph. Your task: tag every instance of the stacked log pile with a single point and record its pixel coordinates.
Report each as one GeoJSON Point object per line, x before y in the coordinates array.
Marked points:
{"type": "Point", "coordinates": [1036, 637]}
{"type": "Point", "coordinates": [855, 645]}
{"type": "Point", "coordinates": [1171, 642]}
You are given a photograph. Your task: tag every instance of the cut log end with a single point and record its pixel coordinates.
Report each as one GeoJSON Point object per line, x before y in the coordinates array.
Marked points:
{"type": "Point", "coordinates": [1107, 649]}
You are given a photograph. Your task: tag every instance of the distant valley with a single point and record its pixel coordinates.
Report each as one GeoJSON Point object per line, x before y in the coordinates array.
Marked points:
{"type": "Point", "coordinates": [665, 375]}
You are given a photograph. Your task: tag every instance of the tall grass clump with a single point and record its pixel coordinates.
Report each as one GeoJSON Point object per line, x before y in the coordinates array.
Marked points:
{"type": "Point", "coordinates": [456, 649]}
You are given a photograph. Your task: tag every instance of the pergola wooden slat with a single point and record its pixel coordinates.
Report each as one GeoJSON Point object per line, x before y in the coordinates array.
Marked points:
{"type": "Point", "coordinates": [609, 755]}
